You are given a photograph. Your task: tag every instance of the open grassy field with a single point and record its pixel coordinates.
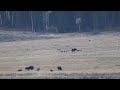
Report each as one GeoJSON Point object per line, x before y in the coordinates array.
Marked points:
{"type": "Point", "coordinates": [99, 55]}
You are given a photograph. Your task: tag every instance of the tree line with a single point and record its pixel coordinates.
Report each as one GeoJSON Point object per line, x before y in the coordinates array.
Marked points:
{"type": "Point", "coordinates": [60, 21]}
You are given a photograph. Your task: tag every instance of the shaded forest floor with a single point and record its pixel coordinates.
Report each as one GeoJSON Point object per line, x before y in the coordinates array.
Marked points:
{"type": "Point", "coordinates": [6, 36]}
{"type": "Point", "coordinates": [9, 35]}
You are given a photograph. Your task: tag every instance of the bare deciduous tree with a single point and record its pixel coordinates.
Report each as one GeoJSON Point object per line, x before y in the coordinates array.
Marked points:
{"type": "Point", "coordinates": [31, 16]}
{"type": "Point", "coordinates": [46, 19]}
{"type": "Point", "coordinates": [0, 19]}
{"type": "Point", "coordinates": [78, 21]}
{"type": "Point", "coordinates": [8, 15]}
{"type": "Point", "coordinates": [12, 18]}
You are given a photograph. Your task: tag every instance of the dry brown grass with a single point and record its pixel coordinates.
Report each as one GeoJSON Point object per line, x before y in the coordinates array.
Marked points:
{"type": "Point", "coordinates": [100, 55]}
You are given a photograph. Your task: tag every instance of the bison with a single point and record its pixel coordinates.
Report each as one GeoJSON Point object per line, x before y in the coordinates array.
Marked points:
{"type": "Point", "coordinates": [20, 70]}
{"type": "Point", "coordinates": [74, 49]}
{"type": "Point", "coordinates": [59, 68]}
{"type": "Point", "coordinates": [51, 70]}
{"type": "Point", "coordinates": [38, 69]}
{"type": "Point", "coordinates": [29, 68]}
{"type": "Point", "coordinates": [61, 51]}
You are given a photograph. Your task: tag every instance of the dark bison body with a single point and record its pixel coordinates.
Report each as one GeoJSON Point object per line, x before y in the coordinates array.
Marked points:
{"type": "Point", "coordinates": [20, 70]}
{"type": "Point", "coordinates": [74, 49]}
{"type": "Point", "coordinates": [59, 68]}
{"type": "Point", "coordinates": [38, 69]}
{"type": "Point", "coordinates": [29, 68]}
{"type": "Point", "coordinates": [51, 70]}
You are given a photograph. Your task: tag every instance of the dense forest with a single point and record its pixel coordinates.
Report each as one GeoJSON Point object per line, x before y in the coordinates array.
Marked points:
{"type": "Point", "coordinates": [60, 21]}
